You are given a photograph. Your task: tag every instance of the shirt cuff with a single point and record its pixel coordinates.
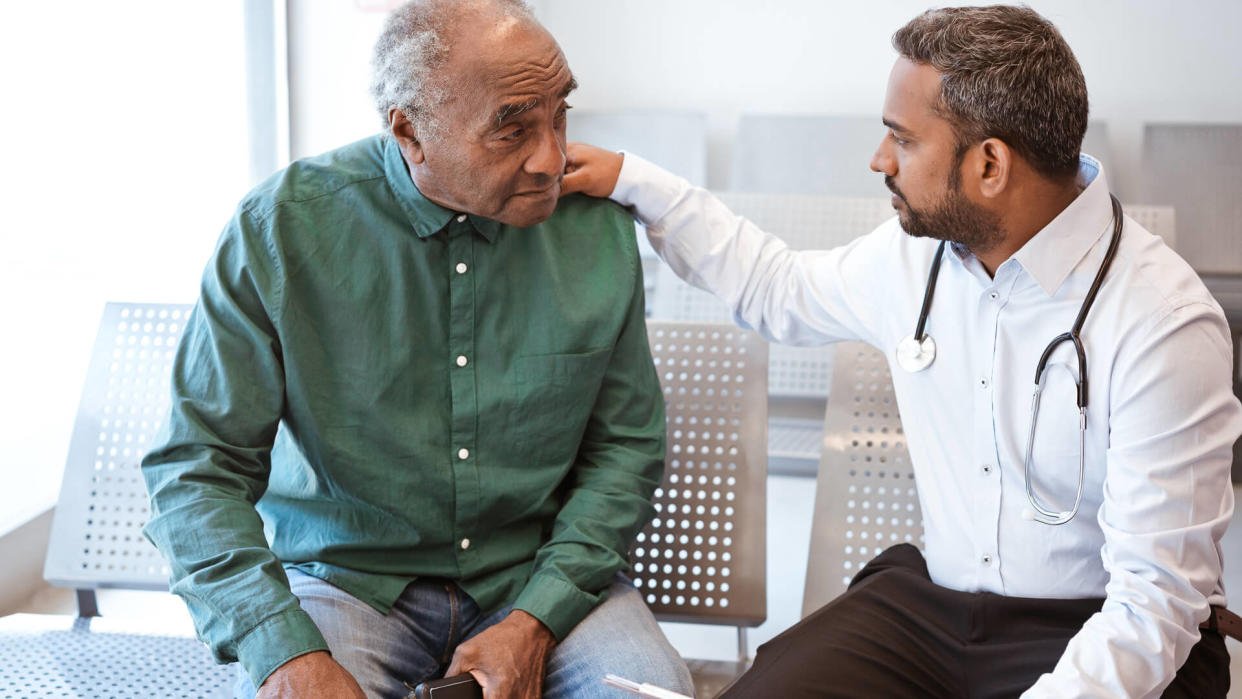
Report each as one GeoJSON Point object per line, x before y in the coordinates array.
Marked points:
{"type": "Point", "coordinates": [647, 187]}
{"type": "Point", "coordinates": [277, 640]}
{"type": "Point", "coordinates": [556, 603]}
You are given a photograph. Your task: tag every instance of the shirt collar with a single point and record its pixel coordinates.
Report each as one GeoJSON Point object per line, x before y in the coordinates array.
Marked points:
{"type": "Point", "coordinates": [1056, 250]}
{"type": "Point", "coordinates": [426, 217]}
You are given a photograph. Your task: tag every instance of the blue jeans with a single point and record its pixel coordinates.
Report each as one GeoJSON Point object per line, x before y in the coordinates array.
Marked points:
{"type": "Point", "coordinates": [391, 653]}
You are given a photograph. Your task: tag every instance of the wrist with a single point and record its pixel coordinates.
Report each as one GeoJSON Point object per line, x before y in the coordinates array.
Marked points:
{"type": "Point", "coordinates": [531, 625]}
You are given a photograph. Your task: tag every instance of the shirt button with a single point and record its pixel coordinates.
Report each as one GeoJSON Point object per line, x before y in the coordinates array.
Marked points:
{"type": "Point", "coordinates": [983, 382]}
{"type": "Point", "coordinates": [461, 219]}
{"type": "Point", "coordinates": [987, 560]}
{"type": "Point", "coordinates": [461, 267]}
{"type": "Point", "coordinates": [994, 295]}
{"type": "Point", "coordinates": [463, 454]}
{"type": "Point", "coordinates": [461, 360]}
{"type": "Point", "coordinates": [465, 544]}
{"type": "Point", "coordinates": [987, 469]}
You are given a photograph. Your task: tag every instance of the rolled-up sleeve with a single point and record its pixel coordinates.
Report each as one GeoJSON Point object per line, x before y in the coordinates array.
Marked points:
{"type": "Point", "coordinates": [1167, 502]}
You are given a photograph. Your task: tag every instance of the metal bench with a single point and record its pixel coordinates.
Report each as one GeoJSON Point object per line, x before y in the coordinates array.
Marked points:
{"type": "Point", "coordinates": [703, 559]}
{"type": "Point", "coordinates": [97, 541]}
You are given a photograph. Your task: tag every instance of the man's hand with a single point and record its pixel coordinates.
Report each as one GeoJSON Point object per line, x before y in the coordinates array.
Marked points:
{"type": "Point", "coordinates": [509, 659]}
{"type": "Point", "coordinates": [315, 674]}
{"type": "Point", "coordinates": [590, 170]}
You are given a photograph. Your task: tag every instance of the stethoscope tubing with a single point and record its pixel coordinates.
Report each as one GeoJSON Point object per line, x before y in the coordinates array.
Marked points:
{"type": "Point", "coordinates": [1041, 513]}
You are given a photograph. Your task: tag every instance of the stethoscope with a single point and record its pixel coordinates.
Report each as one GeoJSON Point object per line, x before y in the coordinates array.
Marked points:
{"type": "Point", "coordinates": [918, 351]}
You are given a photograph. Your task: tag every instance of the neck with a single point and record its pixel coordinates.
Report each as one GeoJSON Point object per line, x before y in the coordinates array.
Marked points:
{"type": "Point", "coordinates": [1029, 210]}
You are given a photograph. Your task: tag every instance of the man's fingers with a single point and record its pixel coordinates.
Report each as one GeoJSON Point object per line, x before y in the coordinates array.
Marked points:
{"type": "Point", "coordinates": [574, 182]}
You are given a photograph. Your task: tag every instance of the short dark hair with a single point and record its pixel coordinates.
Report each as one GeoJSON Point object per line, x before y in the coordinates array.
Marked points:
{"type": "Point", "coordinates": [1007, 73]}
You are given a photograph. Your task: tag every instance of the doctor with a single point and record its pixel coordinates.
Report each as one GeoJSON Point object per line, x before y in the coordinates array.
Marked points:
{"type": "Point", "coordinates": [1093, 582]}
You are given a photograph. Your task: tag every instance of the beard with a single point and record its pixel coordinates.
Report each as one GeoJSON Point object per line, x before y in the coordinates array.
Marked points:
{"type": "Point", "coordinates": [953, 218]}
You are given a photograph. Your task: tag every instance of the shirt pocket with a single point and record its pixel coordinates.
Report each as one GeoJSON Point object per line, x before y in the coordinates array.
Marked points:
{"type": "Point", "coordinates": [552, 398]}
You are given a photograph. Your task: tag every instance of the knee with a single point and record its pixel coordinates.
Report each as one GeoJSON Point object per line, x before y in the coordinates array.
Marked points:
{"type": "Point", "coordinates": [580, 672]}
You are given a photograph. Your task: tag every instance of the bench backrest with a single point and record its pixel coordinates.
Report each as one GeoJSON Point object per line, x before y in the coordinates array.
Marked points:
{"type": "Point", "coordinates": [703, 558]}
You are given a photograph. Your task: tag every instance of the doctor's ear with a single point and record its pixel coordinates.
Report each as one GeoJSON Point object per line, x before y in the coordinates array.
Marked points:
{"type": "Point", "coordinates": [406, 135]}
{"type": "Point", "coordinates": [994, 166]}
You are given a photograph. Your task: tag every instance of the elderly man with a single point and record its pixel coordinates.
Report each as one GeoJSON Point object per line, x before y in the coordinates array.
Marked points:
{"type": "Point", "coordinates": [415, 422]}
{"type": "Point", "coordinates": [1026, 587]}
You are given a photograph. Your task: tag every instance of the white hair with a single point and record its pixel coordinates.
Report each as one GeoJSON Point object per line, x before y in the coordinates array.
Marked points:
{"type": "Point", "coordinates": [410, 49]}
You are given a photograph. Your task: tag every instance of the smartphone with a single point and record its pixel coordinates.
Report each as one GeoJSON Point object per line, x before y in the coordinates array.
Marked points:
{"type": "Point", "coordinates": [456, 687]}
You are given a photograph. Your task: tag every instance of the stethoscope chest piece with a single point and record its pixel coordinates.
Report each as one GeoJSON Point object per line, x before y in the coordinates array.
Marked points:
{"type": "Point", "coordinates": [914, 356]}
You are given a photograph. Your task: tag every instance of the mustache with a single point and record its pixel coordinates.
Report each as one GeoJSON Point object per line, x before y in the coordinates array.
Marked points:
{"type": "Point", "coordinates": [892, 187]}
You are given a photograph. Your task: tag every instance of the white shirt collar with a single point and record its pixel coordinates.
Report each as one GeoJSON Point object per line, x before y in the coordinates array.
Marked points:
{"type": "Point", "coordinates": [1056, 250]}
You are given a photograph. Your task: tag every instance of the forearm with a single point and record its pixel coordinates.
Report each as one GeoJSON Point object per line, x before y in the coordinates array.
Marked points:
{"type": "Point", "coordinates": [800, 298]}
{"type": "Point", "coordinates": [1167, 502]}
{"type": "Point", "coordinates": [205, 525]}
{"type": "Point", "coordinates": [212, 464]}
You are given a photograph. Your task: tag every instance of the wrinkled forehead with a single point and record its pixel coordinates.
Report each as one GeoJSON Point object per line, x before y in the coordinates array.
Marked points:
{"type": "Point", "coordinates": [507, 58]}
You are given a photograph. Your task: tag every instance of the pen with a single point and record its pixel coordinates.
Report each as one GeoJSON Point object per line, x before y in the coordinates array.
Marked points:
{"type": "Point", "coordinates": [641, 689]}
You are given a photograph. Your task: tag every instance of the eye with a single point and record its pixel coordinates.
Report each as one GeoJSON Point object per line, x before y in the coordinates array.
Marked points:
{"type": "Point", "coordinates": [897, 140]}
{"type": "Point", "coordinates": [563, 111]}
{"type": "Point", "coordinates": [513, 134]}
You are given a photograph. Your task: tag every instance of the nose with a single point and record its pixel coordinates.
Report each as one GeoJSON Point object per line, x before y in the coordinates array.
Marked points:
{"type": "Point", "coordinates": [882, 160]}
{"type": "Point", "coordinates": [548, 157]}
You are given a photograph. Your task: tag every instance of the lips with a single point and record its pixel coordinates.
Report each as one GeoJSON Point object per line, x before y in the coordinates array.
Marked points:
{"type": "Point", "coordinates": [537, 192]}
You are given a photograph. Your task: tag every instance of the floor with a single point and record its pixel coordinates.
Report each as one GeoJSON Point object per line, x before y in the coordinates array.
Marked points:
{"type": "Point", "coordinates": [790, 503]}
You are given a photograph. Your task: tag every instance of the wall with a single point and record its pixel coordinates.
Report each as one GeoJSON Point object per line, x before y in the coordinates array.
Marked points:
{"type": "Point", "coordinates": [124, 142]}
{"type": "Point", "coordinates": [1145, 60]}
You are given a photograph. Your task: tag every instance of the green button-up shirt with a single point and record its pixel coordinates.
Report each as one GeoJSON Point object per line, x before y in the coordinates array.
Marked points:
{"type": "Point", "coordinates": [373, 388]}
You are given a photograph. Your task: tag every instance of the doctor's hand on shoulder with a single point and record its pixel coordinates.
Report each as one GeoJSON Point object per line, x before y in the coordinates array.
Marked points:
{"type": "Point", "coordinates": [311, 675]}
{"type": "Point", "coordinates": [590, 170]}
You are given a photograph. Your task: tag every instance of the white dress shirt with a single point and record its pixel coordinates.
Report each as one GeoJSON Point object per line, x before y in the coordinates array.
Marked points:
{"type": "Point", "coordinates": [1161, 418]}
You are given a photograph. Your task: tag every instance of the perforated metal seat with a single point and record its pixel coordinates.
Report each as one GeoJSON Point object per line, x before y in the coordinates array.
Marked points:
{"type": "Point", "coordinates": [865, 497]}
{"type": "Point", "coordinates": [703, 558]}
{"type": "Point", "coordinates": [97, 537]}
{"type": "Point", "coordinates": [57, 656]}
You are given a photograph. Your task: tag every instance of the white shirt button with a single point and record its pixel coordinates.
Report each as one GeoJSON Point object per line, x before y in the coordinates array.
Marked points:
{"type": "Point", "coordinates": [461, 219]}
{"type": "Point", "coordinates": [463, 454]}
{"type": "Point", "coordinates": [983, 382]}
{"type": "Point", "coordinates": [465, 544]}
{"type": "Point", "coordinates": [987, 559]}
{"type": "Point", "coordinates": [461, 360]}
{"type": "Point", "coordinates": [994, 295]}
{"type": "Point", "coordinates": [461, 267]}
{"type": "Point", "coordinates": [987, 469]}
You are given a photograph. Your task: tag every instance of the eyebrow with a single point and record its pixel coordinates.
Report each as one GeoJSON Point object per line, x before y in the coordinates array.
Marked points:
{"type": "Point", "coordinates": [895, 126]}
{"type": "Point", "coordinates": [508, 111]}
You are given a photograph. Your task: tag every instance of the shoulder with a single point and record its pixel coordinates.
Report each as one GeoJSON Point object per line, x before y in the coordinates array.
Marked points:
{"type": "Point", "coordinates": [1158, 285]}
{"type": "Point", "coordinates": [314, 179]}
{"type": "Point", "coordinates": [581, 210]}
{"type": "Point", "coordinates": [586, 222]}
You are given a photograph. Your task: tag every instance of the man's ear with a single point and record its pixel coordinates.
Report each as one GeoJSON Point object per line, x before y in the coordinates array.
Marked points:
{"type": "Point", "coordinates": [406, 136]}
{"type": "Point", "coordinates": [994, 165]}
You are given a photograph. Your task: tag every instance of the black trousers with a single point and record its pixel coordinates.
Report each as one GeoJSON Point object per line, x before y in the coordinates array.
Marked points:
{"type": "Point", "coordinates": [895, 633]}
